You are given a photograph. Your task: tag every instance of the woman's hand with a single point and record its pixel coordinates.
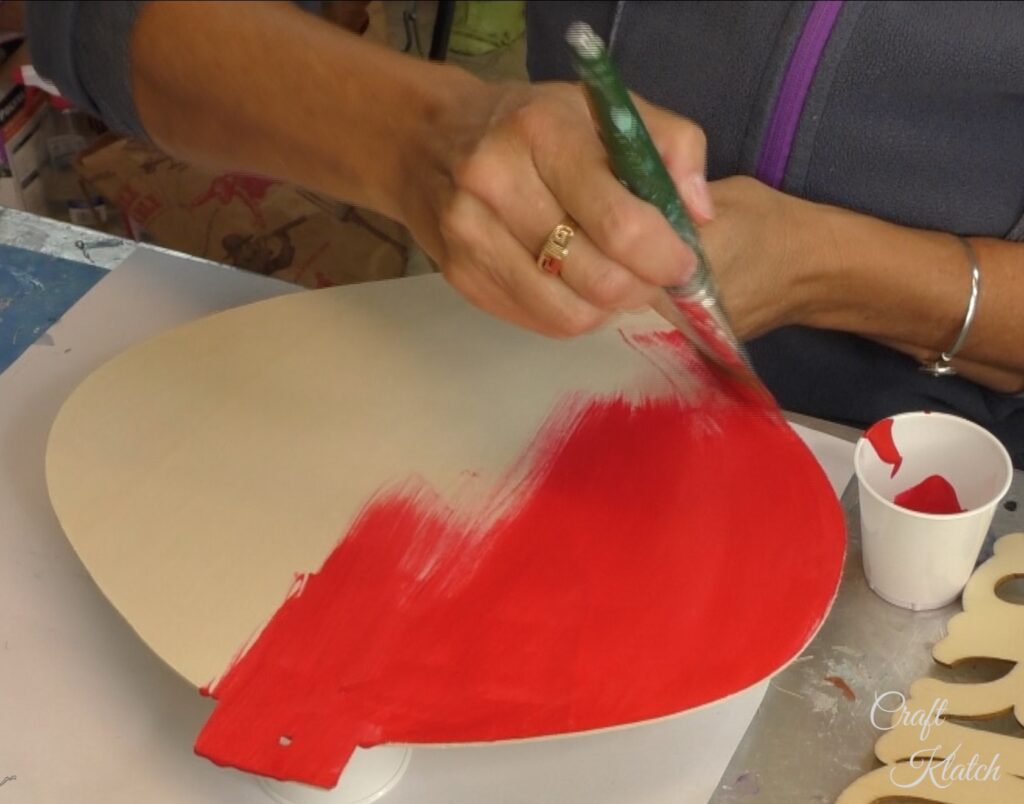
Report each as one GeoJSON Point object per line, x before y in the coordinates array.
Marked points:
{"type": "Point", "coordinates": [778, 261]}
{"type": "Point", "coordinates": [506, 166]}
{"type": "Point", "coordinates": [479, 173]}
{"type": "Point", "coordinates": [482, 173]}
{"type": "Point", "coordinates": [760, 253]}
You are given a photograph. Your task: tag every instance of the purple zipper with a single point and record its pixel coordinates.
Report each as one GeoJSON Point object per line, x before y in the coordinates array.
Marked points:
{"type": "Point", "coordinates": [789, 105]}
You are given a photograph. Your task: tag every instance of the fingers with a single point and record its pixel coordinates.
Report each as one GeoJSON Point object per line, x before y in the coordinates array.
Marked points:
{"type": "Point", "coordinates": [542, 162]}
{"type": "Point", "coordinates": [489, 266]}
{"type": "Point", "coordinates": [602, 282]}
{"type": "Point", "coordinates": [683, 148]}
{"type": "Point", "coordinates": [556, 134]}
{"type": "Point", "coordinates": [530, 211]}
{"type": "Point", "coordinates": [627, 230]}
{"type": "Point", "coordinates": [591, 274]}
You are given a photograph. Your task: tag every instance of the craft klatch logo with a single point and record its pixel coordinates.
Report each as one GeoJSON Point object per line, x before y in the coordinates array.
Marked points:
{"type": "Point", "coordinates": [935, 763]}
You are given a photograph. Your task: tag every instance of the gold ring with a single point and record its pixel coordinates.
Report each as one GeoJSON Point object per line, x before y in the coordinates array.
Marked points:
{"type": "Point", "coordinates": [556, 247]}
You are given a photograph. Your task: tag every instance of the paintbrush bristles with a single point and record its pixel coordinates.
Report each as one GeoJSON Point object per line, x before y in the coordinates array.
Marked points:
{"type": "Point", "coordinates": [584, 41]}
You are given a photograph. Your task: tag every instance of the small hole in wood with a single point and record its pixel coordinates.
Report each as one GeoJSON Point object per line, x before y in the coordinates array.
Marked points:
{"type": "Point", "coordinates": [1010, 505]}
{"type": "Point", "coordinates": [1011, 590]}
{"type": "Point", "coordinates": [284, 740]}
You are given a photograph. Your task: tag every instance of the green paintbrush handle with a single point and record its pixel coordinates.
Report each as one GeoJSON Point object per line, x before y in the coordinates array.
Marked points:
{"type": "Point", "coordinates": [693, 307]}
{"type": "Point", "coordinates": [634, 157]}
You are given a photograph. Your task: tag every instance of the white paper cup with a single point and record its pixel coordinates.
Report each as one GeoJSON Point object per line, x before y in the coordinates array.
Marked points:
{"type": "Point", "coordinates": [918, 560]}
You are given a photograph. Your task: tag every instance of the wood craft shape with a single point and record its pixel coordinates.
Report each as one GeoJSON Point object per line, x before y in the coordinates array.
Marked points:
{"type": "Point", "coordinates": [373, 514]}
{"type": "Point", "coordinates": [932, 765]}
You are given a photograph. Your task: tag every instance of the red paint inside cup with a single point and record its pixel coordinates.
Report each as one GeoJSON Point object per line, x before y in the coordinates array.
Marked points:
{"type": "Point", "coordinates": [880, 437]}
{"type": "Point", "coordinates": [933, 495]}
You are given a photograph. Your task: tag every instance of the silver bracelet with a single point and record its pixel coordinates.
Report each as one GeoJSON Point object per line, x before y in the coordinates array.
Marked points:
{"type": "Point", "coordinates": [943, 367]}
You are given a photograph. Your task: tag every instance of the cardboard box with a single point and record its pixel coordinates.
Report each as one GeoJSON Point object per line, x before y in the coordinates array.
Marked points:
{"type": "Point", "coordinates": [250, 222]}
{"type": "Point", "coordinates": [24, 129]}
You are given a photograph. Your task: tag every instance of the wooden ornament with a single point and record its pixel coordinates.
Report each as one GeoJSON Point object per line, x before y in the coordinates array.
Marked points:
{"type": "Point", "coordinates": [926, 764]}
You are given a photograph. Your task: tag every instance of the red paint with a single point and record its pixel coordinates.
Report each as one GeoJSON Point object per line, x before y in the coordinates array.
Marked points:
{"type": "Point", "coordinates": [880, 436]}
{"type": "Point", "coordinates": [250, 190]}
{"type": "Point", "coordinates": [933, 495]}
{"type": "Point", "coordinates": [841, 685]}
{"type": "Point", "coordinates": [659, 556]}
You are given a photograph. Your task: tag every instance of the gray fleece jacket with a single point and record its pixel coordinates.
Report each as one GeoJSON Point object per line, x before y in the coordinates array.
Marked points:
{"type": "Point", "coordinates": [909, 111]}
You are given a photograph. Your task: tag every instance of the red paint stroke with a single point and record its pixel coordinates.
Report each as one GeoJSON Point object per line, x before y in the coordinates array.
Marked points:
{"type": "Point", "coordinates": [880, 436]}
{"type": "Point", "coordinates": [659, 555]}
{"type": "Point", "coordinates": [933, 495]}
{"type": "Point", "coordinates": [842, 686]}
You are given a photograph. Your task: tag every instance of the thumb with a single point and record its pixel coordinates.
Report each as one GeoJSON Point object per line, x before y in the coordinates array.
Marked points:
{"type": "Point", "coordinates": [683, 148]}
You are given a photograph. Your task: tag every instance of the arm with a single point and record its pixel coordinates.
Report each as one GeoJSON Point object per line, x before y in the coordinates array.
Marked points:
{"type": "Point", "coordinates": [12, 16]}
{"type": "Point", "coordinates": [264, 87]}
{"type": "Point", "coordinates": [479, 173]}
{"type": "Point", "coordinates": [909, 288]}
{"type": "Point", "coordinates": [783, 260]}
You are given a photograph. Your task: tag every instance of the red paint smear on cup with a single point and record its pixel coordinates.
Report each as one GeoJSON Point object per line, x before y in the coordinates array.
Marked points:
{"type": "Point", "coordinates": [933, 495]}
{"type": "Point", "coordinates": [658, 556]}
{"type": "Point", "coordinates": [880, 436]}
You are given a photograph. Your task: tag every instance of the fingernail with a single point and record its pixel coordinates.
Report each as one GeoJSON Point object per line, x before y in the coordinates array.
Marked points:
{"type": "Point", "coordinates": [697, 196]}
{"type": "Point", "coordinates": [687, 268]}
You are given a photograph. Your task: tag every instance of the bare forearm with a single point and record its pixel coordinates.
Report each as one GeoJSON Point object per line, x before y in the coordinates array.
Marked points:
{"type": "Point", "coordinates": [479, 172]}
{"type": "Point", "coordinates": [910, 288]}
{"type": "Point", "coordinates": [266, 88]}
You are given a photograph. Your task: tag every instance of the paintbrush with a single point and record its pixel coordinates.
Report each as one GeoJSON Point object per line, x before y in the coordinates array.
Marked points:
{"type": "Point", "coordinates": [692, 308]}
